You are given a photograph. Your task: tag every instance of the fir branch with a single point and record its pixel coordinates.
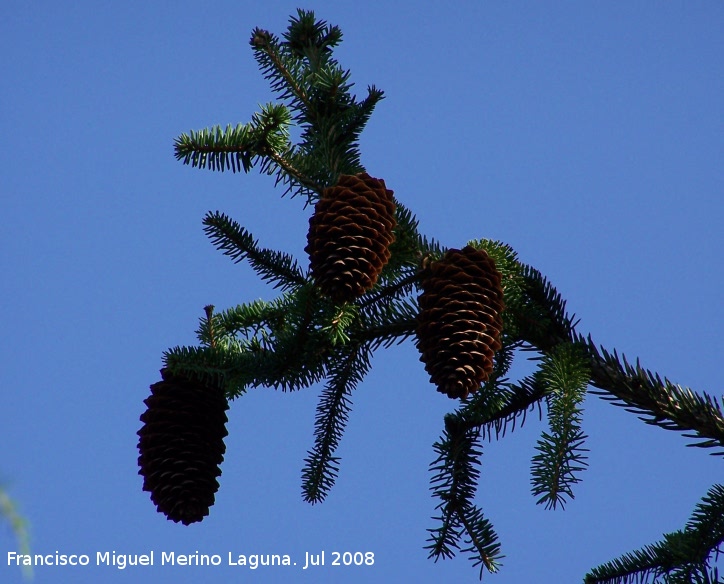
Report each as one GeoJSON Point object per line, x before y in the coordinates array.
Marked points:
{"type": "Point", "coordinates": [251, 326]}
{"type": "Point", "coordinates": [300, 349]}
{"type": "Point", "coordinates": [279, 68]}
{"type": "Point", "coordinates": [237, 243]}
{"type": "Point", "coordinates": [342, 320]}
{"type": "Point", "coordinates": [512, 411]}
{"type": "Point", "coordinates": [682, 556]}
{"type": "Point", "coordinates": [207, 332]}
{"type": "Point", "coordinates": [291, 370]}
{"type": "Point", "coordinates": [355, 122]}
{"type": "Point", "coordinates": [321, 466]}
{"type": "Point", "coordinates": [266, 137]}
{"type": "Point", "coordinates": [279, 344]}
{"type": "Point", "coordinates": [390, 334]}
{"type": "Point", "coordinates": [483, 544]}
{"type": "Point", "coordinates": [211, 367]}
{"type": "Point", "coordinates": [500, 405]}
{"type": "Point", "coordinates": [246, 364]}
{"type": "Point", "coordinates": [560, 456]}
{"type": "Point", "coordinates": [245, 320]}
{"type": "Point", "coordinates": [317, 89]}
{"type": "Point", "coordinates": [216, 148]}
{"type": "Point", "coordinates": [385, 295]}
{"type": "Point", "coordinates": [518, 305]}
{"type": "Point", "coordinates": [405, 254]}
{"type": "Point", "coordinates": [454, 483]}
{"type": "Point", "coordinates": [237, 148]}
{"type": "Point", "coordinates": [288, 173]}
{"type": "Point", "coordinates": [504, 256]}
{"type": "Point", "coordinates": [707, 520]}
{"type": "Point", "coordinates": [386, 321]}
{"type": "Point", "coordinates": [542, 320]}
{"type": "Point", "coordinates": [310, 38]}
{"type": "Point", "coordinates": [656, 401]}
{"type": "Point", "coordinates": [329, 140]}
{"type": "Point", "coordinates": [430, 247]}
{"type": "Point", "coordinates": [299, 174]}
{"type": "Point", "coordinates": [503, 358]}
{"type": "Point", "coordinates": [544, 323]}
{"type": "Point", "coordinates": [340, 131]}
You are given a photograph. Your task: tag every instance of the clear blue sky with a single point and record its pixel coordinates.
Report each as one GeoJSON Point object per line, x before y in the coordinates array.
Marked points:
{"type": "Point", "coordinates": [589, 136]}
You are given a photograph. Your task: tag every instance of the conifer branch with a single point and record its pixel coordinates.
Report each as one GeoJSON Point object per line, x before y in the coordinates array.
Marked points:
{"type": "Point", "coordinates": [290, 174]}
{"type": "Point", "coordinates": [210, 367]}
{"type": "Point", "coordinates": [300, 347]}
{"type": "Point", "coordinates": [387, 294]}
{"type": "Point", "coordinates": [237, 243]}
{"type": "Point", "coordinates": [454, 483]}
{"type": "Point", "coordinates": [217, 148]}
{"type": "Point", "coordinates": [544, 323]}
{"type": "Point", "coordinates": [682, 556]}
{"type": "Point", "coordinates": [483, 544]}
{"type": "Point", "coordinates": [307, 37]}
{"type": "Point", "coordinates": [387, 322]}
{"type": "Point", "coordinates": [406, 254]}
{"type": "Point", "coordinates": [390, 334]}
{"type": "Point", "coordinates": [505, 257]}
{"type": "Point", "coordinates": [282, 72]}
{"type": "Point", "coordinates": [321, 466]}
{"type": "Point", "coordinates": [274, 344]}
{"type": "Point", "coordinates": [313, 84]}
{"type": "Point", "coordinates": [560, 455]}
{"type": "Point", "coordinates": [252, 326]}
{"type": "Point", "coordinates": [542, 319]}
{"type": "Point", "coordinates": [499, 403]}
{"type": "Point", "coordinates": [238, 147]}
{"type": "Point", "coordinates": [512, 403]}
{"type": "Point", "coordinates": [656, 401]}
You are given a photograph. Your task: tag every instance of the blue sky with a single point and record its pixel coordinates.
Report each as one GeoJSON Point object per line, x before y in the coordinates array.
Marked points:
{"type": "Point", "coordinates": [588, 136]}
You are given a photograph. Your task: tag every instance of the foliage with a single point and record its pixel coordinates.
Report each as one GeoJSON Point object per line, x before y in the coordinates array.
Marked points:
{"type": "Point", "coordinates": [681, 557]}
{"type": "Point", "coordinates": [19, 525]}
{"type": "Point", "coordinates": [302, 338]}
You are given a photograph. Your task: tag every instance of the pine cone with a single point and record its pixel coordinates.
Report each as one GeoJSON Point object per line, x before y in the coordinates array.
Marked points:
{"type": "Point", "coordinates": [350, 234]}
{"type": "Point", "coordinates": [459, 323]}
{"type": "Point", "coordinates": [181, 446]}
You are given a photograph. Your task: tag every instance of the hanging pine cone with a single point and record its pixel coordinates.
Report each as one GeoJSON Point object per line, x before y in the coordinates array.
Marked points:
{"type": "Point", "coordinates": [350, 234]}
{"type": "Point", "coordinates": [459, 323]}
{"type": "Point", "coordinates": [181, 446]}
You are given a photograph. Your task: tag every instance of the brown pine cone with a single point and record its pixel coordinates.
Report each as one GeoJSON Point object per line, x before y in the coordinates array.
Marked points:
{"type": "Point", "coordinates": [349, 236]}
{"type": "Point", "coordinates": [181, 446]}
{"type": "Point", "coordinates": [459, 323]}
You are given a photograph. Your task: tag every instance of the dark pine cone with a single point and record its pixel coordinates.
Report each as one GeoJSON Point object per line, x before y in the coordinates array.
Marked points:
{"type": "Point", "coordinates": [181, 446]}
{"type": "Point", "coordinates": [459, 324]}
{"type": "Point", "coordinates": [350, 234]}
